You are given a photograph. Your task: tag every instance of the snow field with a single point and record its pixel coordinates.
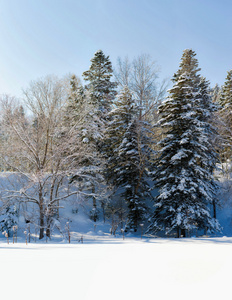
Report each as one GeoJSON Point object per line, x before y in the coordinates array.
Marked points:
{"type": "Point", "coordinates": [130, 269]}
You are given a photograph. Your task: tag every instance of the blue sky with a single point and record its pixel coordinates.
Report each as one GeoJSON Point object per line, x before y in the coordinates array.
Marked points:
{"type": "Point", "coordinates": [41, 37]}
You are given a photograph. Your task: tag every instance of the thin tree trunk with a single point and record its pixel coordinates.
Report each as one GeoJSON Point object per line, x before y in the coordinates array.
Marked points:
{"type": "Point", "coordinates": [214, 209]}
{"type": "Point", "coordinates": [103, 211]}
{"type": "Point", "coordinates": [48, 231]}
{"type": "Point", "coordinates": [178, 232]}
{"type": "Point", "coordinates": [41, 224]}
{"type": "Point", "coordinates": [183, 232]}
{"type": "Point", "coordinates": [41, 215]}
{"type": "Point", "coordinates": [94, 206]}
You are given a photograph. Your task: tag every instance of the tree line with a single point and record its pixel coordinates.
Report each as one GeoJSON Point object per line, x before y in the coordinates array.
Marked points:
{"type": "Point", "coordinates": [144, 157]}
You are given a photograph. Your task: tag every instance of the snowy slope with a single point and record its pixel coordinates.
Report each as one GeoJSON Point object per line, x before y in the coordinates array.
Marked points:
{"type": "Point", "coordinates": [81, 225]}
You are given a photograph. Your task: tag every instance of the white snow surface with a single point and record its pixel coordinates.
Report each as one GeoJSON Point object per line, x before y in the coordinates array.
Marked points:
{"type": "Point", "coordinates": [112, 268]}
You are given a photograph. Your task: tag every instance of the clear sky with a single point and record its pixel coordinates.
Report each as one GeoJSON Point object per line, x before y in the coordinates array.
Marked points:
{"type": "Point", "coordinates": [41, 37]}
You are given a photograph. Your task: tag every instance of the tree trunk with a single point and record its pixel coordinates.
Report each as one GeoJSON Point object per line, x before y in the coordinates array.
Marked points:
{"type": "Point", "coordinates": [178, 232]}
{"type": "Point", "coordinates": [48, 227]}
{"type": "Point", "coordinates": [183, 232]}
{"type": "Point", "coordinates": [214, 209]}
{"type": "Point", "coordinates": [41, 224]}
{"type": "Point", "coordinates": [49, 220]}
{"type": "Point", "coordinates": [48, 231]}
{"type": "Point", "coordinates": [41, 216]}
{"type": "Point", "coordinates": [94, 206]}
{"type": "Point", "coordinates": [94, 210]}
{"type": "Point", "coordinates": [103, 211]}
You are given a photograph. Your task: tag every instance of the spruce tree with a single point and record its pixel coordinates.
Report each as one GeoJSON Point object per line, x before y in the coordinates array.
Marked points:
{"type": "Point", "coordinates": [207, 116]}
{"type": "Point", "coordinates": [129, 141]}
{"type": "Point", "coordinates": [128, 177]}
{"type": "Point", "coordinates": [101, 92]}
{"type": "Point", "coordinates": [226, 116]}
{"type": "Point", "coordinates": [184, 174]}
{"type": "Point", "coordinates": [128, 152]}
{"type": "Point", "coordinates": [120, 118]}
{"type": "Point", "coordinates": [74, 103]}
{"type": "Point", "coordinates": [99, 76]}
{"type": "Point", "coordinates": [131, 173]}
{"type": "Point", "coordinates": [226, 96]}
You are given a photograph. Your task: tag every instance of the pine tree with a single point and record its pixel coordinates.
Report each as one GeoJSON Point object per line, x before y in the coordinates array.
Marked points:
{"type": "Point", "coordinates": [101, 87]}
{"type": "Point", "coordinates": [226, 116]}
{"type": "Point", "coordinates": [216, 120]}
{"type": "Point", "coordinates": [101, 92]}
{"type": "Point", "coordinates": [121, 116]}
{"type": "Point", "coordinates": [184, 174]}
{"type": "Point", "coordinates": [131, 173]}
{"type": "Point", "coordinates": [207, 115]}
{"type": "Point", "coordinates": [74, 102]}
{"type": "Point", "coordinates": [128, 159]}
{"type": "Point", "coordinates": [226, 96]}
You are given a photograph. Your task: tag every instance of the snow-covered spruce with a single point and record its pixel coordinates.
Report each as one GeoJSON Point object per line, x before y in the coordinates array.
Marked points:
{"type": "Point", "coordinates": [187, 157]}
{"type": "Point", "coordinates": [128, 151]}
{"type": "Point", "coordinates": [120, 118]}
{"type": "Point", "coordinates": [226, 117]}
{"type": "Point", "coordinates": [131, 173]}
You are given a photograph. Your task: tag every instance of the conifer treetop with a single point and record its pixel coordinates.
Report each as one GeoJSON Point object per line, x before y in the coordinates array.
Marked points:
{"type": "Point", "coordinates": [99, 78]}
{"type": "Point", "coordinates": [188, 65]}
{"type": "Point", "coordinates": [101, 67]}
{"type": "Point", "coordinates": [226, 96]}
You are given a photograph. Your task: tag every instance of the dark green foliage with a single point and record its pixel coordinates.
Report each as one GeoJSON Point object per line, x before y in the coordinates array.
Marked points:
{"type": "Point", "coordinates": [99, 77]}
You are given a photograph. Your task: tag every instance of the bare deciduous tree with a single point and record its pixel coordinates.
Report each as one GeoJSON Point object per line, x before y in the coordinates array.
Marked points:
{"type": "Point", "coordinates": [141, 76]}
{"type": "Point", "coordinates": [44, 155]}
{"type": "Point", "coordinates": [33, 147]}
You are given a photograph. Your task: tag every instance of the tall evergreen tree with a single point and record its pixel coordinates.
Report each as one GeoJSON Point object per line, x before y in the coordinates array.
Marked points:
{"type": "Point", "coordinates": [129, 158]}
{"type": "Point", "coordinates": [207, 116]}
{"type": "Point", "coordinates": [131, 175]}
{"type": "Point", "coordinates": [120, 118]}
{"type": "Point", "coordinates": [226, 116]}
{"type": "Point", "coordinates": [183, 175]}
{"type": "Point", "coordinates": [101, 91]}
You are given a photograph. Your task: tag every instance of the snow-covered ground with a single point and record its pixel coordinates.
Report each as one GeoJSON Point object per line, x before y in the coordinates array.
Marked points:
{"type": "Point", "coordinates": [112, 268]}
